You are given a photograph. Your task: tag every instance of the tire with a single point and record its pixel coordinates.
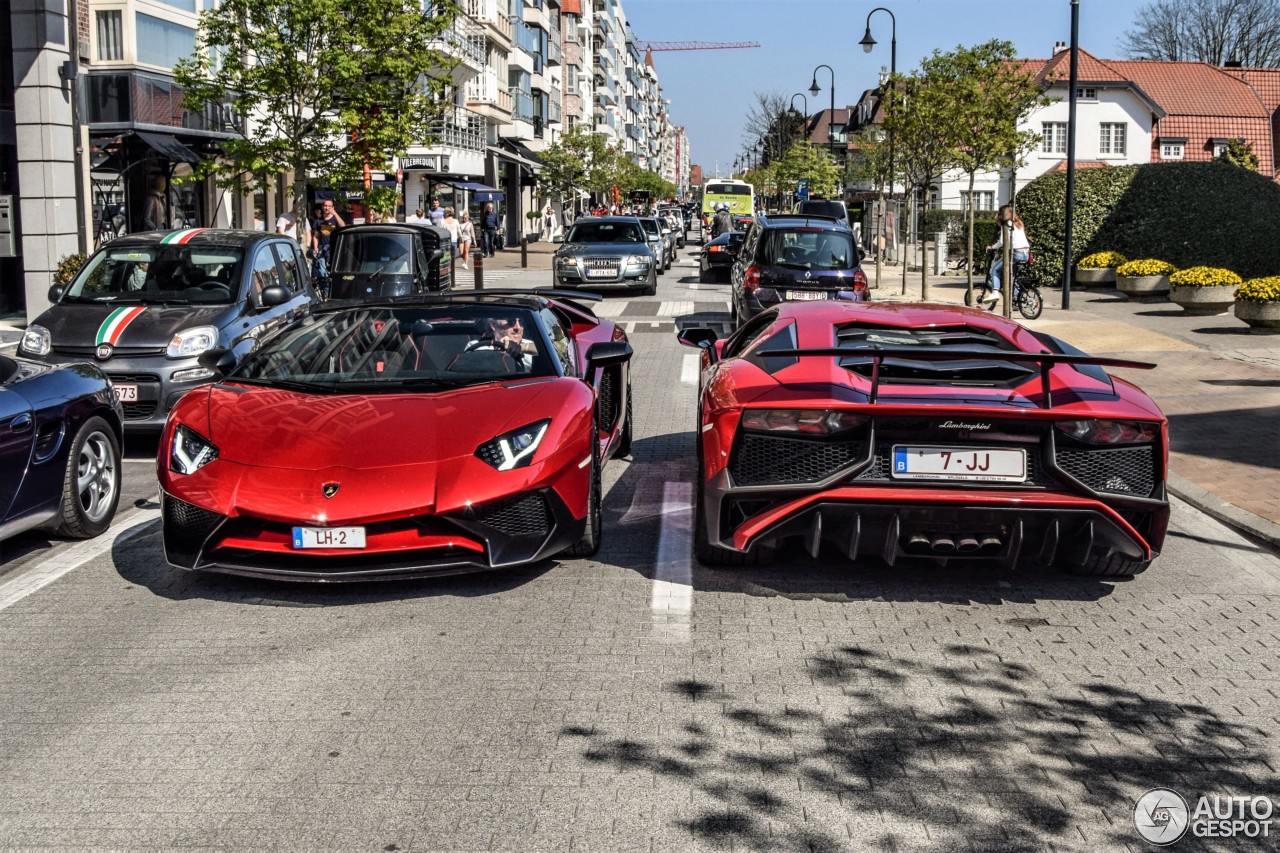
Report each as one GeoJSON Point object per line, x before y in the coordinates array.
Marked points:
{"type": "Point", "coordinates": [651, 288]}
{"type": "Point", "coordinates": [589, 544]}
{"type": "Point", "coordinates": [703, 276]}
{"type": "Point", "coordinates": [91, 485]}
{"type": "Point", "coordinates": [1109, 564]}
{"type": "Point", "coordinates": [624, 440]}
{"type": "Point", "coordinates": [1030, 303]}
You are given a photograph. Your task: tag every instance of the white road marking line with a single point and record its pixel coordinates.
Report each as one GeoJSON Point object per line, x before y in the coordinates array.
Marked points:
{"type": "Point", "coordinates": [689, 368]}
{"type": "Point", "coordinates": [675, 309]}
{"type": "Point", "coordinates": [608, 309]}
{"type": "Point", "coordinates": [48, 571]}
{"type": "Point", "coordinates": [671, 605]}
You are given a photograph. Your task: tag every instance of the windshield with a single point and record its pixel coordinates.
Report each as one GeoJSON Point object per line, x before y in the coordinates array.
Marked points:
{"type": "Point", "coordinates": [810, 248]}
{"type": "Point", "coordinates": [178, 274]}
{"type": "Point", "coordinates": [382, 349]}
{"type": "Point", "coordinates": [728, 189]}
{"type": "Point", "coordinates": [373, 252]}
{"type": "Point", "coordinates": [606, 232]}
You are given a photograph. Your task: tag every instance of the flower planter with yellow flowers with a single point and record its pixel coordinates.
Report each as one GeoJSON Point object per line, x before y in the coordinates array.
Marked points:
{"type": "Point", "coordinates": [1144, 277]}
{"type": "Point", "coordinates": [1204, 291]}
{"type": "Point", "coordinates": [1098, 269]}
{"type": "Point", "coordinates": [1258, 304]}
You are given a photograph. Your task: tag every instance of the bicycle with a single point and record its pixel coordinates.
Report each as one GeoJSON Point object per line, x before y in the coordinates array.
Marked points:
{"type": "Point", "coordinates": [1026, 295]}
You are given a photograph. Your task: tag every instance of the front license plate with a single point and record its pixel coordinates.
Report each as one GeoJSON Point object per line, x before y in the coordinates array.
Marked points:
{"type": "Point", "coordinates": [328, 537]}
{"type": "Point", "coordinates": [806, 294]}
{"type": "Point", "coordinates": [1004, 465]}
{"type": "Point", "coordinates": [126, 393]}
{"type": "Point", "coordinates": [601, 273]}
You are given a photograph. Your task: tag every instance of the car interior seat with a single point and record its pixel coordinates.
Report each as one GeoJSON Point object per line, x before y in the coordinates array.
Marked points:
{"type": "Point", "coordinates": [491, 362]}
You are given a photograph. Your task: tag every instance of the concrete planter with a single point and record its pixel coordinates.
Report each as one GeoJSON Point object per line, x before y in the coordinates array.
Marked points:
{"type": "Point", "coordinates": [1142, 285]}
{"type": "Point", "coordinates": [1203, 301]}
{"type": "Point", "coordinates": [1105, 277]}
{"type": "Point", "coordinates": [1262, 317]}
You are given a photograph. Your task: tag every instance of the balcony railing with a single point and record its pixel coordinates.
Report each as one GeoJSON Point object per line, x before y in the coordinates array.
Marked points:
{"type": "Point", "coordinates": [555, 114]}
{"type": "Point", "coordinates": [465, 40]}
{"type": "Point", "coordinates": [486, 90]}
{"type": "Point", "coordinates": [491, 12]}
{"type": "Point", "coordinates": [635, 106]}
{"type": "Point", "coordinates": [461, 128]}
{"type": "Point", "coordinates": [555, 54]}
{"type": "Point", "coordinates": [528, 39]}
{"type": "Point", "coordinates": [521, 104]}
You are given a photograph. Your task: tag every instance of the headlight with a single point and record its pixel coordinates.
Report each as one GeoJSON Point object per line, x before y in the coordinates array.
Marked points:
{"type": "Point", "coordinates": [191, 451]}
{"type": "Point", "coordinates": [567, 261]}
{"type": "Point", "coordinates": [1109, 432]}
{"type": "Point", "coordinates": [192, 341]}
{"type": "Point", "coordinates": [513, 449]}
{"type": "Point", "coordinates": [638, 260]}
{"type": "Point", "coordinates": [36, 341]}
{"type": "Point", "coordinates": [811, 421]}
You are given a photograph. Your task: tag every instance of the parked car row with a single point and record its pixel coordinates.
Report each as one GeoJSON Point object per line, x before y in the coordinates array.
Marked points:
{"type": "Point", "coordinates": [431, 432]}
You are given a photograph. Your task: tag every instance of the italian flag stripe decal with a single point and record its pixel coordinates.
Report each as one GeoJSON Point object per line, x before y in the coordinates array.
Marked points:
{"type": "Point", "coordinates": [112, 327]}
{"type": "Point", "coordinates": [181, 236]}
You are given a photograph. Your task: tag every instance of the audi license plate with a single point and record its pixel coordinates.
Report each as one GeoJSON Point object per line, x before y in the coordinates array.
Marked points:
{"type": "Point", "coordinates": [328, 537]}
{"type": "Point", "coordinates": [604, 272]}
{"type": "Point", "coordinates": [984, 464]}
{"type": "Point", "coordinates": [126, 393]}
{"type": "Point", "coordinates": [806, 294]}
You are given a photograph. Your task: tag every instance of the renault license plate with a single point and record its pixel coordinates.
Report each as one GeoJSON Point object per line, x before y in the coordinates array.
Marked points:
{"type": "Point", "coordinates": [126, 393]}
{"type": "Point", "coordinates": [980, 464]}
{"type": "Point", "coordinates": [328, 537]}
{"type": "Point", "coordinates": [806, 294]}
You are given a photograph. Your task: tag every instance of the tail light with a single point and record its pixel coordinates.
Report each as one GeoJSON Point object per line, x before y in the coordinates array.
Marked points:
{"type": "Point", "coordinates": [751, 278]}
{"type": "Point", "coordinates": [1110, 432]}
{"type": "Point", "coordinates": [715, 248]}
{"type": "Point", "coordinates": [860, 283]}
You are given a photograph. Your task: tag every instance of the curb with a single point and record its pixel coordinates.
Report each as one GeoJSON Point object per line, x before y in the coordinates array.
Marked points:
{"type": "Point", "coordinates": [1229, 514]}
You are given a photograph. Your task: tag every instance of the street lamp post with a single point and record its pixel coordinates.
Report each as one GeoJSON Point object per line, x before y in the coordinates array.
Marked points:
{"type": "Point", "coordinates": [814, 89]}
{"type": "Point", "coordinates": [801, 96]}
{"type": "Point", "coordinates": [868, 43]}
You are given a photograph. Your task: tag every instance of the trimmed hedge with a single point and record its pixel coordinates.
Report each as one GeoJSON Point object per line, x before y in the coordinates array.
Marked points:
{"type": "Point", "coordinates": [1190, 214]}
{"type": "Point", "coordinates": [956, 224]}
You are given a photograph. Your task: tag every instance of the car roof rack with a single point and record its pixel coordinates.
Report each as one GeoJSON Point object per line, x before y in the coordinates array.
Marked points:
{"type": "Point", "coordinates": [1045, 360]}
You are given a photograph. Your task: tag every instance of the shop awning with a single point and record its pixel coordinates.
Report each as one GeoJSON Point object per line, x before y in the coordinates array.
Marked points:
{"type": "Point", "coordinates": [483, 192]}
{"type": "Point", "coordinates": [168, 146]}
{"type": "Point", "coordinates": [513, 157]}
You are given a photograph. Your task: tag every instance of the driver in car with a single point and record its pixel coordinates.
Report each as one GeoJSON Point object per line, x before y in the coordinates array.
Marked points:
{"type": "Point", "coordinates": [506, 334]}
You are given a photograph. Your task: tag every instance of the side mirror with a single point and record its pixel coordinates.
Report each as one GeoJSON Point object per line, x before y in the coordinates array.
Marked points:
{"type": "Point", "coordinates": [274, 295]}
{"type": "Point", "coordinates": [55, 292]}
{"type": "Point", "coordinates": [219, 359]}
{"type": "Point", "coordinates": [697, 336]}
{"type": "Point", "coordinates": [609, 353]}
{"type": "Point", "coordinates": [559, 238]}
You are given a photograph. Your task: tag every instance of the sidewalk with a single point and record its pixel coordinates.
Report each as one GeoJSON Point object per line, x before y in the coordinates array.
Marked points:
{"type": "Point", "coordinates": [1218, 383]}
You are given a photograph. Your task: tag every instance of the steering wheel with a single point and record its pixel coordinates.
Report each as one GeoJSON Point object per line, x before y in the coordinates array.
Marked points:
{"type": "Point", "coordinates": [212, 284]}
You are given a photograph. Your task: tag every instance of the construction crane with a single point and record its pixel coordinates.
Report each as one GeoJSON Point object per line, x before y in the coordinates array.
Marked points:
{"type": "Point", "coordinates": [694, 45]}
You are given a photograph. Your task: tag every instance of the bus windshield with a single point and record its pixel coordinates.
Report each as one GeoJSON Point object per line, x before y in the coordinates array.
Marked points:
{"type": "Point", "coordinates": [740, 196]}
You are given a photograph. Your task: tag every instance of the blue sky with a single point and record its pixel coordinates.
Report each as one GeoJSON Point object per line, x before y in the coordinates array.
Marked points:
{"type": "Point", "coordinates": [711, 91]}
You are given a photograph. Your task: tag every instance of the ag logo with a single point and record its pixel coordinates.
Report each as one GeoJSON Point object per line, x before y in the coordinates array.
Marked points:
{"type": "Point", "coordinates": [1161, 816]}
{"type": "Point", "coordinates": [329, 489]}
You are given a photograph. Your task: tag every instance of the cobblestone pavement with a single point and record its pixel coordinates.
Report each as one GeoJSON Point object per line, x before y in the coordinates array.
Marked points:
{"type": "Point", "coordinates": [638, 701]}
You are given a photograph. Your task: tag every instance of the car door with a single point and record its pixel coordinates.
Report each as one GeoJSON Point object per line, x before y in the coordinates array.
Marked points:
{"type": "Point", "coordinates": [258, 320]}
{"type": "Point", "coordinates": [17, 432]}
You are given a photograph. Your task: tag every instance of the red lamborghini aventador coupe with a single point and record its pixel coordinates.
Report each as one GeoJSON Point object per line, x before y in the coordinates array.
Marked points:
{"type": "Point", "coordinates": [445, 434]}
{"type": "Point", "coordinates": [923, 430]}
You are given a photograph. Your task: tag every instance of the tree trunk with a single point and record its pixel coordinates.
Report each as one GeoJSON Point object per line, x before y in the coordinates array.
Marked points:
{"type": "Point", "coordinates": [924, 251]}
{"type": "Point", "coordinates": [969, 261]}
{"type": "Point", "coordinates": [904, 230]}
{"type": "Point", "coordinates": [300, 199]}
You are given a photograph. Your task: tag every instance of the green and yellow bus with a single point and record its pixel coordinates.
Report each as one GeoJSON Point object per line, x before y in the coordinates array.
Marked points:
{"type": "Point", "coordinates": [739, 195]}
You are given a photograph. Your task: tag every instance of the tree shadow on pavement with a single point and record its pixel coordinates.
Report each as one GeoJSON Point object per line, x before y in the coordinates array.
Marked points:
{"type": "Point", "coordinates": [1233, 435]}
{"type": "Point", "coordinates": [969, 750]}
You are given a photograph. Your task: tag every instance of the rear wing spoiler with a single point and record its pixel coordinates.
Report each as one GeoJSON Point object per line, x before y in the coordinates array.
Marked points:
{"type": "Point", "coordinates": [877, 355]}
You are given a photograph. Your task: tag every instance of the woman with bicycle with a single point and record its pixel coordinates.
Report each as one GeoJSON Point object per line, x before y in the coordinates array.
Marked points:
{"type": "Point", "coordinates": [1018, 243]}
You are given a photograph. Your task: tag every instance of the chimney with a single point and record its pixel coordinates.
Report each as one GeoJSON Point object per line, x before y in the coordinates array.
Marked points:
{"type": "Point", "coordinates": [1232, 62]}
{"type": "Point", "coordinates": [1059, 47]}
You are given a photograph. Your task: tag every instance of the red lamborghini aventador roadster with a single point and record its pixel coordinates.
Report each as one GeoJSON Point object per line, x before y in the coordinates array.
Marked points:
{"type": "Point", "coordinates": [923, 430]}
{"type": "Point", "coordinates": [441, 435]}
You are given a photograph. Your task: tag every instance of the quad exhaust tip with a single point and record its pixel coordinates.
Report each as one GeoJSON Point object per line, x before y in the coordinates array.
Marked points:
{"type": "Point", "coordinates": [947, 544]}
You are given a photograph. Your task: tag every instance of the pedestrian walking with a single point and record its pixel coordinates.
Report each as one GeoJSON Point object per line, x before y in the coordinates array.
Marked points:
{"type": "Point", "coordinates": [321, 236]}
{"type": "Point", "coordinates": [489, 225]}
{"type": "Point", "coordinates": [466, 236]}
{"type": "Point", "coordinates": [451, 225]}
{"type": "Point", "coordinates": [436, 213]}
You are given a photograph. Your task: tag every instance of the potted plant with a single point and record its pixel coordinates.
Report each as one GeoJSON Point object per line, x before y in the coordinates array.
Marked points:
{"type": "Point", "coordinates": [1144, 277]}
{"type": "Point", "coordinates": [1099, 269]}
{"type": "Point", "coordinates": [1258, 304]}
{"type": "Point", "coordinates": [1204, 290]}
{"type": "Point", "coordinates": [68, 266]}
{"type": "Point", "coordinates": [533, 216]}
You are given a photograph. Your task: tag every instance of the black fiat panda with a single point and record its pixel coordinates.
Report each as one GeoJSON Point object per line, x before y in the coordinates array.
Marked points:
{"type": "Point", "coordinates": [145, 306]}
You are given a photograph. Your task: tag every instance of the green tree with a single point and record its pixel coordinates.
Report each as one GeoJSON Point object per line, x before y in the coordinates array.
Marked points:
{"type": "Point", "coordinates": [310, 74]}
{"type": "Point", "coordinates": [1239, 153]}
{"type": "Point", "coordinates": [579, 160]}
{"type": "Point", "coordinates": [990, 94]}
{"type": "Point", "coordinates": [923, 120]}
{"type": "Point", "coordinates": [805, 161]}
